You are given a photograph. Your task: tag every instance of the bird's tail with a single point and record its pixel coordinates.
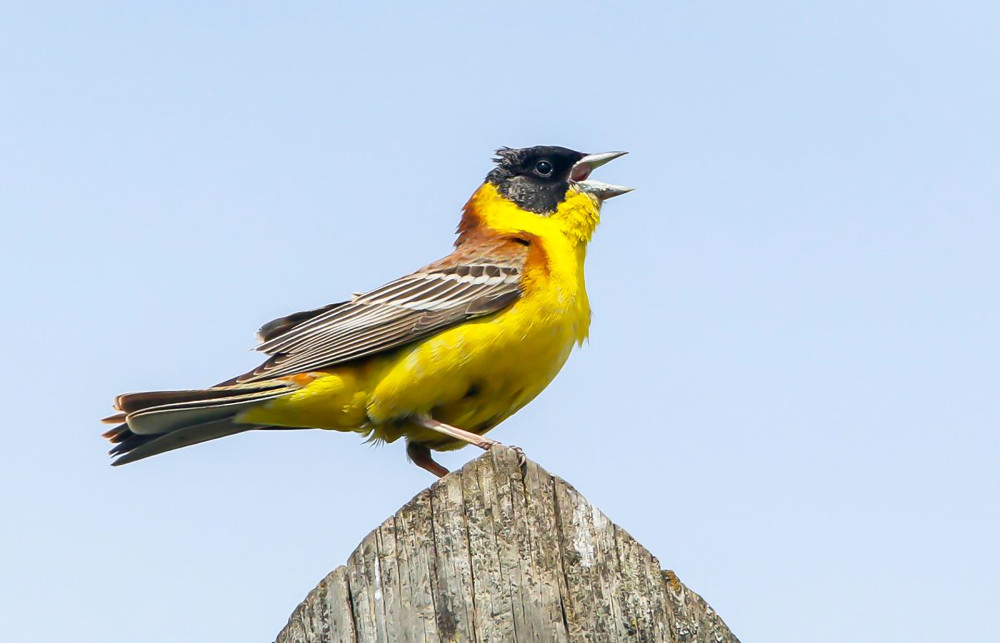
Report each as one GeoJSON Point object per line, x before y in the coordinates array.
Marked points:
{"type": "Point", "coordinates": [152, 423]}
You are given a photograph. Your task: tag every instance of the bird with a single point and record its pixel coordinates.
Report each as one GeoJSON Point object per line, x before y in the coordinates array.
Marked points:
{"type": "Point", "coordinates": [439, 356]}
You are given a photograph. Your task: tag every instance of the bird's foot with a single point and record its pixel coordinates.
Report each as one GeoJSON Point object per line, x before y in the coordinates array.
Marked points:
{"type": "Point", "coordinates": [420, 455]}
{"type": "Point", "coordinates": [522, 460]}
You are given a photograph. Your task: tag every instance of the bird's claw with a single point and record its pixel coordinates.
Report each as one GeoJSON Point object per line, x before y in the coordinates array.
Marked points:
{"type": "Point", "coordinates": [522, 460]}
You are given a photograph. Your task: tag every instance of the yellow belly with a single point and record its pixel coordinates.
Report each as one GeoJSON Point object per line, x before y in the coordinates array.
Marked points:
{"type": "Point", "coordinates": [472, 376]}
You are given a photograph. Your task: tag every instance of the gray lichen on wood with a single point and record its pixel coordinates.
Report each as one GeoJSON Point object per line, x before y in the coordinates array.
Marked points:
{"type": "Point", "coordinates": [496, 553]}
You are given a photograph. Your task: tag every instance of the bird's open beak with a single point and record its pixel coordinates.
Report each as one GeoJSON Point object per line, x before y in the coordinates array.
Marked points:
{"type": "Point", "coordinates": [582, 169]}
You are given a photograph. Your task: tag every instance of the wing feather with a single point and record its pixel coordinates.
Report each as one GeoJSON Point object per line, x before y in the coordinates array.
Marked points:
{"type": "Point", "coordinates": [469, 283]}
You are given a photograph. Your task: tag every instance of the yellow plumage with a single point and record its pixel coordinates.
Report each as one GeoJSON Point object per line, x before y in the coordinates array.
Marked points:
{"type": "Point", "coordinates": [439, 356]}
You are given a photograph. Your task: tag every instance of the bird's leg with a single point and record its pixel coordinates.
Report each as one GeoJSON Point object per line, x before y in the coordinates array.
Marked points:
{"type": "Point", "coordinates": [454, 432]}
{"type": "Point", "coordinates": [420, 455]}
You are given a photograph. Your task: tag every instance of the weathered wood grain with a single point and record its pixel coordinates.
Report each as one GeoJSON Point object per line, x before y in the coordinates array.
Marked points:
{"type": "Point", "coordinates": [494, 552]}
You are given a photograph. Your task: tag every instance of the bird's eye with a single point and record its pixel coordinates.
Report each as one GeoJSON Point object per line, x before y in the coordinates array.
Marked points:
{"type": "Point", "coordinates": [543, 168]}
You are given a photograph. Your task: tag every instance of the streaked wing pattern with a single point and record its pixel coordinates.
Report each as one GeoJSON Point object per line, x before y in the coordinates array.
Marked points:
{"type": "Point", "coordinates": [398, 313]}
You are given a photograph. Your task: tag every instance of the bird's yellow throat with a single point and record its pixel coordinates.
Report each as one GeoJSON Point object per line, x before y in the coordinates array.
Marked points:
{"type": "Point", "coordinates": [576, 218]}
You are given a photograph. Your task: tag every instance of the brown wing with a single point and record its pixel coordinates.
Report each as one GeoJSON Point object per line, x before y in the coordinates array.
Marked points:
{"type": "Point", "coordinates": [471, 282]}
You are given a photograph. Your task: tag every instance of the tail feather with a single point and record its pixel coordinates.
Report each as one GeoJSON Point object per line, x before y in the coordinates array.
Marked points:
{"type": "Point", "coordinates": [118, 433]}
{"type": "Point", "coordinates": [160, 421]}
{"type": "Point", "coordinates": [138, 447]}
{"type": "Point", "coordinates": [134, 402]}
{"type": "Point", "coordinates": [164, 417]}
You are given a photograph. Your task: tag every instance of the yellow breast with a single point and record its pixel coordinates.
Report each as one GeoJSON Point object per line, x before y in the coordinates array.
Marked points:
{"type": "Point", "coordinates": [477, 374]}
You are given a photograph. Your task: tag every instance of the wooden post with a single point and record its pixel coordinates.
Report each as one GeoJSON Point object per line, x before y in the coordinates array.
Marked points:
{"type": "Point", "coordinates": [496, 553]}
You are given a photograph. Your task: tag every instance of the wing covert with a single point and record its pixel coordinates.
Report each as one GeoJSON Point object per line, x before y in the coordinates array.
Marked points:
{"type": "Point", "coordinates": [462, 286]}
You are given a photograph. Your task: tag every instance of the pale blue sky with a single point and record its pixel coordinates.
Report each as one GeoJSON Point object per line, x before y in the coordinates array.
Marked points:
{"type": "Point", "coordinates": [790, 395]}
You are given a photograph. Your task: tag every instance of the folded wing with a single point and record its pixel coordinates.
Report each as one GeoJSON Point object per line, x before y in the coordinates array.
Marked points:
{"type": "Point", "coordinates": [466, 284]}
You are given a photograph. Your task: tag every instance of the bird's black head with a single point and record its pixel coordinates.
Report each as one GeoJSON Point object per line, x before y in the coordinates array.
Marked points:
{"type": "Point", "coordinates": [534, 178]}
